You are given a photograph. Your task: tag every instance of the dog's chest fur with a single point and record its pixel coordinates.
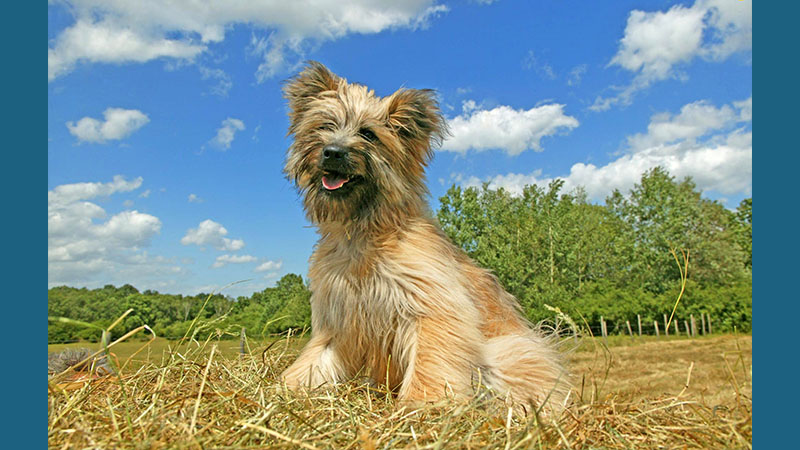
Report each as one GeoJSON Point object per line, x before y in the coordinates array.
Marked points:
{"type": "Point", "coordinates": [379, 283]}
{"type": "Point", "coordinates": [355, 289]}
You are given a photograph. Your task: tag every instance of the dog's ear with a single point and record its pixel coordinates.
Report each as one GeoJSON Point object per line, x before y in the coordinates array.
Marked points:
{"type": "Point", "coordinates": [307, 85]}
{"type": "Point", "coordinates": [415, 116]}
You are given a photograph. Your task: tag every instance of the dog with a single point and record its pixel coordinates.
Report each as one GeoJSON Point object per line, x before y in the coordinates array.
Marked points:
{"type": "Point", "coordinates": [392, 296]}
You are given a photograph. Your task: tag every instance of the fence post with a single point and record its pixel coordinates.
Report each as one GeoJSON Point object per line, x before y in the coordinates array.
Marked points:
{"type": "Point", "coordinates": [709, 324]}
{"type": "Point", "coordinates": [703, 322]}
{"type": "Point", "coordinates": [630, 331]}
{"type": "Point", "coordinates": [688, 331]}
{"type": "Point", "coordinates": [666, 326]}
{"type": "Point", "coordinates": [694, 325]}
{"type": "Point", "coordinates": [105, 339]}
{"type": "Point", "coordinates": [603, 330]}
{"type": "Point", "coordinates": [655, 324]}
{"type": "Point", "coordinates": [639, 320]}
{"type": "Point", "coordinates": [242, 339]}
{"type": "Point", "coordinates": [677, 332]}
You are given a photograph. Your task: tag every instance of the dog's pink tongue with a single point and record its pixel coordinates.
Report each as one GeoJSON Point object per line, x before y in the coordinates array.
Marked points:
{"type": "Point", "coordinates": [332, 184]}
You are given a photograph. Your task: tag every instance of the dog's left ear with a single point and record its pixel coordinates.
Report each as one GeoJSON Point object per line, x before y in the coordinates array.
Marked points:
{"type": "Point", "coordinates": [415, 116]}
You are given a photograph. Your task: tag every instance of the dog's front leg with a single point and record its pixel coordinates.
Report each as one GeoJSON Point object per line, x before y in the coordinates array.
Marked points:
{"type": "Point", "coordinates": [440, 355]}
{"type": "Point", "coordinates": [317, 364]}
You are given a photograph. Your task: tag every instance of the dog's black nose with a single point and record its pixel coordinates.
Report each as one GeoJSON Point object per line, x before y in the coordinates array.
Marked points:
{"type": "Point", "coordinates": [333, 153]}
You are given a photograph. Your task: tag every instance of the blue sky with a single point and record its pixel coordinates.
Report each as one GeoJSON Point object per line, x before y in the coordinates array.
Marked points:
{"type": "Point", "coordinates": [167, 129]}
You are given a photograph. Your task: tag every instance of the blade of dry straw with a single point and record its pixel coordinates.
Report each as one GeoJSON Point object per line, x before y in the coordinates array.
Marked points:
{"type": "Point", "coordinates": [202, 385]}
{"type": "Point", "coordinates": [684, 273]}
{"type": "Point", "coordinates": [279, 436]}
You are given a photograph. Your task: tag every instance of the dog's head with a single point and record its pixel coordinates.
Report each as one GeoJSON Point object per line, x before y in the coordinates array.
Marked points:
{"type": "Point", "coordinates": [355, 153]}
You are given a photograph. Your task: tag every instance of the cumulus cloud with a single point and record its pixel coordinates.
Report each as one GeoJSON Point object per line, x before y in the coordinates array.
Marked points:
{"type": "Point", "coordinates": [83, 243]}
{"type": "Point", "coordinates": [226, 133]}
{"type": "Point", "coordinates": [120, 31]}
{"type": "Point", "coordinates": [118, 124]}
{"type": "Point", "coordinates": [712, 145]}
{"type": "Point", "coordinates": [730, 26]}
{"type": "Point", "coordinates": [268, 266]}
{"type": "Point", "coordinates": [695, 120]}
{"type": "Point", "coordinates": [656, 41]}
{"type": "Point", "coordinates": [745, 108]}
{"type": "Point", "coordinates": [223, 260]}
{"type": "Point", "coordinates": [111, 40]}
{"type": "Point", "coordinates": [66, 194]}
{"type": "Point", "coordinates": [193, 198]}
{"type": "Point", "coordinates": [656, 44]}
{"type": "Point", "coordinates": [505, 128]}
{"type": "Point", "coordinates": [210, 233]}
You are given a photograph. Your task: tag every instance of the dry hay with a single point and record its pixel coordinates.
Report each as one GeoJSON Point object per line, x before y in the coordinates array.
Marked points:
{"type": "Point", "coordinates": [196, 396]}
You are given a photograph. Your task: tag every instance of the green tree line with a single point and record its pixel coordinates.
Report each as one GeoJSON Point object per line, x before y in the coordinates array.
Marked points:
{"type": "Point", "coordinates": [613, 260]}
{"type": "Point", "coordinates": [546, 246]}
{"type": "Point", "coordinates": [273, 310]}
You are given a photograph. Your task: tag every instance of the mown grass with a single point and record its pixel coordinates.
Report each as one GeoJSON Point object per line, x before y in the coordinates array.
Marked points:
{"type": "Point", "coordinates": [638, 393]}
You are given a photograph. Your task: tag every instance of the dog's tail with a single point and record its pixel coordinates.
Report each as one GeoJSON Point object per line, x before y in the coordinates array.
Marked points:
{"type": "Point", "coordinates": [528, 370]}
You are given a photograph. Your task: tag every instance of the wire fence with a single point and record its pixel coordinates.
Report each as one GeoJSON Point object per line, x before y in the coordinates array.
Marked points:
{"type": "Point", "coordinates": [684, 326]}
{"type": "Point", "coordinates": [690, 327]}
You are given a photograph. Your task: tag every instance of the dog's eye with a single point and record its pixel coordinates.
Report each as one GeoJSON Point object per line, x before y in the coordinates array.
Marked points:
{"type": "Point", "coordinates": [367, 134]}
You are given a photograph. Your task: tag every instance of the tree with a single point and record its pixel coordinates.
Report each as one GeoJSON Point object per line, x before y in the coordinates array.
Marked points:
{"type": "Point", "coordinates": [663, 215]}
{"type": "Point", "coordinates": [744, 229]}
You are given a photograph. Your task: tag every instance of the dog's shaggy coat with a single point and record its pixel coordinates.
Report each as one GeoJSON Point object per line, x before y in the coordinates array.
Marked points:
{"type": "Point", "coordinates": [392, 297]}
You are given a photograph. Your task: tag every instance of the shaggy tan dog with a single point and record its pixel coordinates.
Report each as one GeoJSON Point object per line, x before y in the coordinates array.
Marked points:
{"type": "Point", "coordinates": [392, 297]}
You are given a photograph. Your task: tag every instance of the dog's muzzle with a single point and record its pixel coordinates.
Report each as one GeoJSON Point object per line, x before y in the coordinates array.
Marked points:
{"type": "Point", "coordinates": [335, 167]}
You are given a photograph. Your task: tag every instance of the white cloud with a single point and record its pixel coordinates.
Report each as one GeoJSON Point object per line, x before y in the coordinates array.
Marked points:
{"type": "Point", "coordinates": [195, 199]}
{"type": "Point", "coordinates": [122, 31]}
{"type": "Point", "coordinates": [721, 167]}
{"type": "Point", "coordinates": [656, 44]}
{"type": "Point", "coordinates": [730, 27]}
{"type": "Point", "coordinates": [695, 120]}
{"type": "Point", "coordinates": [745, 109]}
{"type": "Point", "coordinates": [656, 41]}
{"type": "Point", "coordinates": [268, 266]}
{"type": "Point", "coordinates": [511, 130]}
{"type": "Point", "coordinates": [212, 234]}
{"type": "Point", "coordinates": [67, 194]}
{"type": "Point", "coordinates": [112, 41]}
{"type": "Point", "coordinates": [84, 244]}
{"type": "Point", "coordinates": [223, 260]}
{"type": "Point", "coordinates": [118, 124]}
{"type": "Point", "coordinates": [721, 162]}
{"type": "Point", "coordinates": [226, 133]}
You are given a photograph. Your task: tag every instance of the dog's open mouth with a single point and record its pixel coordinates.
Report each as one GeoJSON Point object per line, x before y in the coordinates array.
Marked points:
{"type": "Point", "coordinates": [334, 181]}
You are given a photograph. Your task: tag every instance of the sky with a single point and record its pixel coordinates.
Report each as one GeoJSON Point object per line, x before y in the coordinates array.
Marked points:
{"type": "Point", "coordinates": [167, 126]}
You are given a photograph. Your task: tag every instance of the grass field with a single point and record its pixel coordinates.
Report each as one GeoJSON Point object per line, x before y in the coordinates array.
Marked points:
{"type": "Point", "coordinates": [643, 393]}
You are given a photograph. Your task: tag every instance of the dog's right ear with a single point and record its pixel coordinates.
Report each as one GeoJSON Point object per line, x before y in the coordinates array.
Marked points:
{"type": "Point", "coordinates": [306, 86]}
